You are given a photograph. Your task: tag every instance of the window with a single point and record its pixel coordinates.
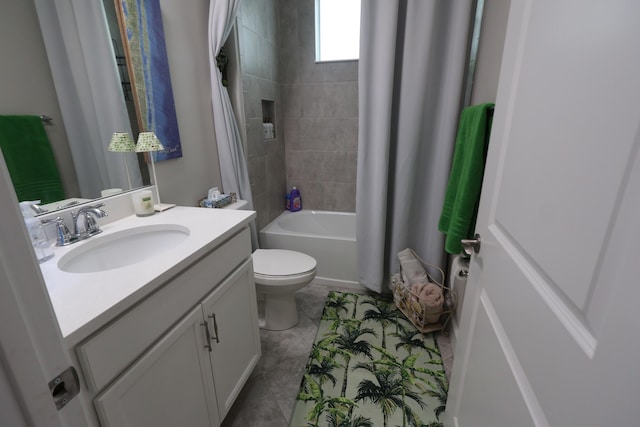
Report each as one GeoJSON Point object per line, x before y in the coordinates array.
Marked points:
{"type": "Point", "coordinates": [337, 30]}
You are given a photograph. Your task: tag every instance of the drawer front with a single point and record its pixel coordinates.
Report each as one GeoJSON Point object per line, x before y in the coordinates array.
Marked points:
{"type": "Point", "coordinates": [114, 348]}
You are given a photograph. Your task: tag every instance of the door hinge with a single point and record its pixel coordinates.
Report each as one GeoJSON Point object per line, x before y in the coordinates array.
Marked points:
{"type": "Point", "coordinates": [64, 387]}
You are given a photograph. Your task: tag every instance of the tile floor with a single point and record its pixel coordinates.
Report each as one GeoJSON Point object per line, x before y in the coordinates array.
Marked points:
{"type": "Point", "coordinates": [268, 398]}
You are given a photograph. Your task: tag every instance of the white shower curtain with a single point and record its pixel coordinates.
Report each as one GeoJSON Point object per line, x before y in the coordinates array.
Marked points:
{"type": "Point", "coordinates": [411, 70]}
{"type": "Point", "coordinates": [85, 75]}
{"type": "Point", "coordinates": [233, 164]}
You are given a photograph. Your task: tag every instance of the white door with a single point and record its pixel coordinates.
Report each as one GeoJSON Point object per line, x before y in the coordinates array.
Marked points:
{"type": "Point", "coordinates": [549, 329]}
{"type": "Point", "coordinates": [31, 349]}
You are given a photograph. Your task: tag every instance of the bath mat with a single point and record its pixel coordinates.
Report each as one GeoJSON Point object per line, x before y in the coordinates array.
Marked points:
{"type": "Point", "coordinates": [370, 367]}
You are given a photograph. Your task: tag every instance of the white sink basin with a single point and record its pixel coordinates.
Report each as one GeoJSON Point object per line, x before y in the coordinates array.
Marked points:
{"type": "Point", "coordinates": [122, 248]}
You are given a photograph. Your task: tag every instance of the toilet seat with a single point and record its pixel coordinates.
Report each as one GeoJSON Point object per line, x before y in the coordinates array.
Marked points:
{"type": "Point", "coordinates": [276, 267]}
{"type": "Point", "coordinates": [282, 281]}
{"type": "Point", "coordinates": [278, 274]}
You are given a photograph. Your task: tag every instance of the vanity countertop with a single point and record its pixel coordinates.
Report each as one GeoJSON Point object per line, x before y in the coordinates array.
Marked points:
{"type": "Point", "coordinates": [84, 302]}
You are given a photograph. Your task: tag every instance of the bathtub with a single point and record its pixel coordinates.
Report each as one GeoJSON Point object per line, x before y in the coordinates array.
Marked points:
{"type": "Point", "coordinates": [329, 237]}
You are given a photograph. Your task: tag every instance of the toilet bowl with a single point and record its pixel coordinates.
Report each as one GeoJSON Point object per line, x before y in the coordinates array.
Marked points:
{"type": "Point", "coordinates": [278, 274]}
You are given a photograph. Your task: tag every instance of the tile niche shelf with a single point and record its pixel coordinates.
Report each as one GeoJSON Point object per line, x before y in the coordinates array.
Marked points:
{"type": "Point", "coordinates": [268, 119]}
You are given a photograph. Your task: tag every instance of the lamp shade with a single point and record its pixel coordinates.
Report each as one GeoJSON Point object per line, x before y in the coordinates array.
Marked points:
{"type": "Point", "coordinates": [121, 142]}
{"type": "Point", "coordinates": [148, 141]}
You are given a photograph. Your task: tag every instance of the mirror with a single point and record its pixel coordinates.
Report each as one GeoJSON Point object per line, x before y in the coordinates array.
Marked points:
{"type": "Point", "coordinates": [88, 88]}
{"type": "Point", "coordinates": [77, 45]}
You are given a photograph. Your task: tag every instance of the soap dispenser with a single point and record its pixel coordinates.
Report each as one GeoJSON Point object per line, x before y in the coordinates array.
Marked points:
{"type": "Point", "coordinates": [41, 245]}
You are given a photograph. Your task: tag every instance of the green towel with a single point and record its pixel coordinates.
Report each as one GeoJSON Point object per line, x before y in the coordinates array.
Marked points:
{"type": "Point", "coordinates": [460, 207]}
{"type": "Point", "coordinates": [29, 158]}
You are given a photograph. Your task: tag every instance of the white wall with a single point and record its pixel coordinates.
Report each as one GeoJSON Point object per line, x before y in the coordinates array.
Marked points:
{"type": "Point", "coordinates": [185, 180]}
{"type": "Point", "coordinates": [492, 33]}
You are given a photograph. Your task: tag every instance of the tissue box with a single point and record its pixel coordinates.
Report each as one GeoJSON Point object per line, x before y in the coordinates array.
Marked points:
{"type": "Point", "coordinates": [216, 202]}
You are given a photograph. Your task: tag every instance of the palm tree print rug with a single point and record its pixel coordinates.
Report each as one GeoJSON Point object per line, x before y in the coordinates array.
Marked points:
{"type": "Point", "coordinates": [370, 367]}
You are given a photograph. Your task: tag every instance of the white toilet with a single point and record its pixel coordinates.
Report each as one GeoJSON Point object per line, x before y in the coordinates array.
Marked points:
{"type": "Point", "coordinates": [278, 274]}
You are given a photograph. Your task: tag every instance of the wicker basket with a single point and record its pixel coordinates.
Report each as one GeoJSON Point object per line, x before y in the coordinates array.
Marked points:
{"type": "Point", "coordinates": [415, 310]}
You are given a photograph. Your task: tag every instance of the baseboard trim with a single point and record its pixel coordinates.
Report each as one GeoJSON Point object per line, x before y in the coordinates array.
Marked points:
{"type": "Point", "coordinates": [326, 281]}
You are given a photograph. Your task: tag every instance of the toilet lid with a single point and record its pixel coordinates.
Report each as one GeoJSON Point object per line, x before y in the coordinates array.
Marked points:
{"type": "Point", "coordinates": [281, 262]}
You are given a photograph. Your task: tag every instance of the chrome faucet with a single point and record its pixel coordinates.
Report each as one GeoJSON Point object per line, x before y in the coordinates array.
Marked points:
{"type": "Point", "coordinates": [85, 222]}
{"type": "Point", "coordinates": [63, 235]}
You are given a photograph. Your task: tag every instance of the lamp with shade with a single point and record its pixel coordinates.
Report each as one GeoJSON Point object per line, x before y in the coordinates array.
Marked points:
{"type": "Point", "coordinates": [122, 142]}
{"type": "Point", "coordinates": [148, 142]}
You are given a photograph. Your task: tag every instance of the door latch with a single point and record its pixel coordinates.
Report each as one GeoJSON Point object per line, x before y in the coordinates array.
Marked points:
{"type": "Point", "coordinates": [64, 387]}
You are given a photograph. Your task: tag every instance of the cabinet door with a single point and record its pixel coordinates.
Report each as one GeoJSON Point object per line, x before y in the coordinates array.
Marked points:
{"type": "Point", "coordinates": [170, 385]}
{"type": "Point", "coordinates": [232, 313]}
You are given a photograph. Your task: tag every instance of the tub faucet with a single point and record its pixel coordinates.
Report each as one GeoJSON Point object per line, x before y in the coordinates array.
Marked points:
{"type": "Point", "coordinates": [84, 222]}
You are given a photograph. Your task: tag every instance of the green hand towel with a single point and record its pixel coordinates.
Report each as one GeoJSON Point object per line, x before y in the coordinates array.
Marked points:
{"type": "Point", "coordinates": [29, 158]}
{"type": "Point", "coordinates": [460, 207]}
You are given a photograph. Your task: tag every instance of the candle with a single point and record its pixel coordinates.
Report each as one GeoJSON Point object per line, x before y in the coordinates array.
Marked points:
{"type": "Point", "coordinates": [143, 203]}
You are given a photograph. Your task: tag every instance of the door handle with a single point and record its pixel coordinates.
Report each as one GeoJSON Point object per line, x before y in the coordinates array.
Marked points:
{"type": "Point", "coordinates": [215, 327]}
{"type": "Point", "coordinates": [471, 245]}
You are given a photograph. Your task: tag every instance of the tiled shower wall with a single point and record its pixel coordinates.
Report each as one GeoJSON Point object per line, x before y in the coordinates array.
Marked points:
{"type": "Point", "coordinates": [316, 109]}
{"type": "Point", "coordinates": [320, 114]}
{"type": "Point", "coordinates": [258, 39]}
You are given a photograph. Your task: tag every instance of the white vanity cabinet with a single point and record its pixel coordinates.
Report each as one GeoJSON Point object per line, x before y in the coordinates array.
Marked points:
{"type": "Point", "coordinates": [181, 356]}
{"type": "Point", "coordinates": [235, 336]}
{"type": "Point", "coordinates": [171, 385]}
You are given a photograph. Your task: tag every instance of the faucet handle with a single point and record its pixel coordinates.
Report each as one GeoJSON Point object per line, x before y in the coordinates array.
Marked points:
{"type": "Point", "coordinates": [63, 235]}
{"type": "Point", "coordinates": [92, 226]}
